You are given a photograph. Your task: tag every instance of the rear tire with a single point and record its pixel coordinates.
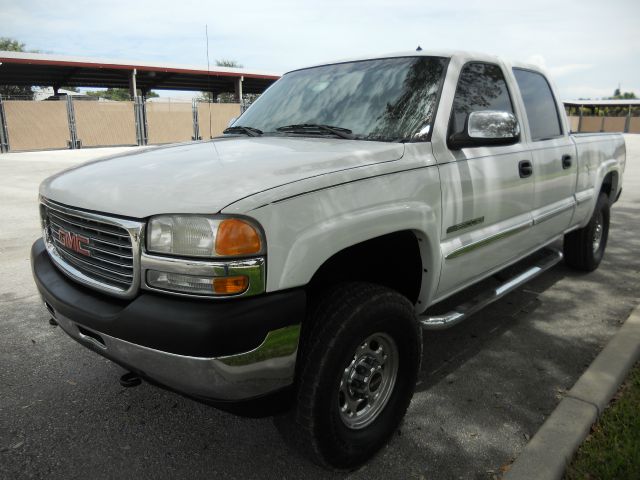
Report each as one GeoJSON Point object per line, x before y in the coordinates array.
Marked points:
{"type": "Point", "coordinates": [357, 371]}
{"type": "Point", "coordinates": [584, 248]}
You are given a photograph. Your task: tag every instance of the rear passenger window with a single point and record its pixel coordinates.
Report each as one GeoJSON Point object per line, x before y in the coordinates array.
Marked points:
{"type": "Point", "coordinates": [481, 86]}
{"type": "Point", "coordinates": [542, 111]}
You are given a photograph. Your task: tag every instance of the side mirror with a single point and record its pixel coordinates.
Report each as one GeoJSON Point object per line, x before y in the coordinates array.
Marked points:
{"type": "Point", "coordinates": [486, 128]}
{"type": "Point", "coordinates": [233, 119]}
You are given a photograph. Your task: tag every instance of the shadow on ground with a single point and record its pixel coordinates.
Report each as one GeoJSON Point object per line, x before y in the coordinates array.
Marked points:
{"type": "Point", "coordinates": [486, 386]}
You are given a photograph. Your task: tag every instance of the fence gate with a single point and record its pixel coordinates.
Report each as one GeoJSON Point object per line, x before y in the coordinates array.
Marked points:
{"type": "Point", "coordinates": [105, 124]}
{"type": "Point", "coordinates": [37, 125]}
{"type": "Point", "coordinates": [169, 122]}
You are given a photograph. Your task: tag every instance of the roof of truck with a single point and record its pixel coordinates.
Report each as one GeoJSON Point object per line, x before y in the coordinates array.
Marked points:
{"type": "Point", "coordinates": [431, 53]}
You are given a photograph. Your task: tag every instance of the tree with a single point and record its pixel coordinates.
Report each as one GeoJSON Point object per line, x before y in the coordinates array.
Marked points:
{"type": "Point", "coordinates": [223, 62]}
{"type": "Point", "coordinates": [225, 97]}
{"type": "Point", "coordinates": [8, 91]}
{"type": "Point", "coordinates": [617, 95]}
{"type": "Point", "coordinates": [118, 94]}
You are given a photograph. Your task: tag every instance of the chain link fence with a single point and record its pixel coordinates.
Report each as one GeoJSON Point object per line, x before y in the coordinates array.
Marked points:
{"type": "Point", "coordinates": [76, 122]}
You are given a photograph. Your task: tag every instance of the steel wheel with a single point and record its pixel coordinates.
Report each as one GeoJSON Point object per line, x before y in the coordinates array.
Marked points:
{"type": "Point", "coordinates": [368, 380]}
{"type": "Point", "coordinates": [597, 233]}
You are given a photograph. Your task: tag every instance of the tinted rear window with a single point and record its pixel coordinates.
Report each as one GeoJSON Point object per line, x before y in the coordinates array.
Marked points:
{"type": "Point", "coordinates": [542, 112]}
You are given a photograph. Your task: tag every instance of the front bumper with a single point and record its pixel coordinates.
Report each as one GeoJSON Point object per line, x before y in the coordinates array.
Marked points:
{"type": "Point", "coordinates": [218, 350]}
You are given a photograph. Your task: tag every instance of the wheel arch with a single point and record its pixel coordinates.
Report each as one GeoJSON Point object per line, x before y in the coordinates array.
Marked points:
{"type": "Point", "coordinates": [610, 184]}
{"type": "Point", "coordinates": [394, 260]}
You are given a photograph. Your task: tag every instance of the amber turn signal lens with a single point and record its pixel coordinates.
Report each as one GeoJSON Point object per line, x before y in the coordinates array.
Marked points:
{"type": "Point", "coordinates": [230, 285]}
{"type": "Point", "coordinates": [237, 237]}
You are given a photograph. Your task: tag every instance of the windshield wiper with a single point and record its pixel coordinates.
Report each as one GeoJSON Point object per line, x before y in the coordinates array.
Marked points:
{"type": "Point", "coordinates": [307, 127]}
{"type": "Point", "coordinates": [252, 132]}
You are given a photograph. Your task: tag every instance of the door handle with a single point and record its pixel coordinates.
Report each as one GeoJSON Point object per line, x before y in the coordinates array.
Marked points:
{"type": "Point", "coordinates": [566, 161]}
{"type": "Point", "coordinates": [525, 168]}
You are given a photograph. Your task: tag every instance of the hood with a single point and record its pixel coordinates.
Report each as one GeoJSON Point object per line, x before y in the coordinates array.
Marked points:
{"type": "Point", "coordinates": [207, 176]}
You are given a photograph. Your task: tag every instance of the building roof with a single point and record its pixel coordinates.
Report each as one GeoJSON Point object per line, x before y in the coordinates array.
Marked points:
{"type": "Point", "coordinates": [19, 68]}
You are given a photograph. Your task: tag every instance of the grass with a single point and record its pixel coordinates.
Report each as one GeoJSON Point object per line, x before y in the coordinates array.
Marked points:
{"type": "Point", "coordinates": [612, 450]}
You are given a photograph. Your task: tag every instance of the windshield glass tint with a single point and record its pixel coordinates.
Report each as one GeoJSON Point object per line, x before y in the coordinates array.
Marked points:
{"type": "Point", "coordinates": [389, 99]}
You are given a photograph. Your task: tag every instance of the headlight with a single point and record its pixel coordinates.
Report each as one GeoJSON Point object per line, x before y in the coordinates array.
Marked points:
{"type": "Point", "coordinates": [198, 285]}
{"type": "Point", "coordinates": [221, 246]}
{"type": "Point", "coordinates": [200, 236]}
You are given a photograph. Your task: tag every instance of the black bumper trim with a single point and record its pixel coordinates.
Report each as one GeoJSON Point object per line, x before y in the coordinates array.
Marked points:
{"type": "Point", "coordinates": [192, 327]}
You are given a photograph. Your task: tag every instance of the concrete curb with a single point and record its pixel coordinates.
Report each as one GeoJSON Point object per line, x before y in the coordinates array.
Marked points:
{"type": "Point", "coordinates": [550, 450]}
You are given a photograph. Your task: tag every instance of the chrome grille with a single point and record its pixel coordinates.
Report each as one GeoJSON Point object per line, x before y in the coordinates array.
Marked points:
{"type": "Point", "coordinates": [96, 250]}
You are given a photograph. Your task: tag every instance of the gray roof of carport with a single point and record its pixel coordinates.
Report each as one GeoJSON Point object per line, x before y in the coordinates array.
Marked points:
{"type": "Point", "coordinates": [602, 103]}
{"type": "Point", "coordinates": [18, 68]}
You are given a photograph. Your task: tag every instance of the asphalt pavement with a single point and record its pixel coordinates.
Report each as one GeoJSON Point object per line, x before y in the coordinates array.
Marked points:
{"type": "Point", "coordinates": [487, 385]}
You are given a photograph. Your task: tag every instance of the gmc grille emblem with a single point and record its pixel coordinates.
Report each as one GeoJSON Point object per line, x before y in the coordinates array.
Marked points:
{"type": "Point", "coordinates": [74, 242]}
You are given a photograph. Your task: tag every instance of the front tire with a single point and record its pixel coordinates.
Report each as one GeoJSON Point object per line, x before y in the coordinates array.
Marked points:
{"type": "Point", "coordinates": [358, 368]}
{"type": "Point", "coordinates": [584, 248]}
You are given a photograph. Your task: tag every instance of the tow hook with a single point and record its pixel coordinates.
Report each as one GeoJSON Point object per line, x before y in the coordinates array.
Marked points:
{"type": "Point", "coordinates": [52, 312]}
{"type": "Point", "coordinates": [130, 379]}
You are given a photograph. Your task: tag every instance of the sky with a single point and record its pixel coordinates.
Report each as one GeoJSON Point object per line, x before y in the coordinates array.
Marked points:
{"type": "Point", "coordinates": [588, 47]}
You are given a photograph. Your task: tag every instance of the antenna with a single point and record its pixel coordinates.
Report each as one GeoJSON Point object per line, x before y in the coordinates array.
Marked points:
{"type": "Point", "coordinates": [206, 33]}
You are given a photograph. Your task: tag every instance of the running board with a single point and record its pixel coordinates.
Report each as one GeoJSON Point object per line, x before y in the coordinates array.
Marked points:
{"type": "Point", "coordinates": [462, 312]}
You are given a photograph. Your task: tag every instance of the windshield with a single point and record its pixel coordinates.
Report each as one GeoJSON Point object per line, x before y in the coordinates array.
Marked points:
{"type": "Point", "coordinates": [389, 99]}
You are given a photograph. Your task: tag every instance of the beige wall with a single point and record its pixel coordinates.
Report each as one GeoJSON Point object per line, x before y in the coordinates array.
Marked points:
{"type": "Point", "coordinates": [591, 124]}
{"type": "Point", "coordinates": [169, 122]}
{"type": "Point", "coordinates": [36, 125]}
{"type": "Point", "coordinates": [573, 123]}
{"type": "Point", "coordinates": [221, 114]}
{"type": "Point", "coordinates": [634, 125]}
{"type": "Point", "coordinates": [594, 124]}
{"type": "Point", "coordinates": [105, 123]}
{"type": "Point", "coordinates": [614, 124]}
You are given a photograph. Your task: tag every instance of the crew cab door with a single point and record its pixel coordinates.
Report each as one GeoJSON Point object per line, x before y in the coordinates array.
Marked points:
{"type": "Point", "coordinates": [487, 191]}
{"type": "Point", "coordinates": [554, 156]}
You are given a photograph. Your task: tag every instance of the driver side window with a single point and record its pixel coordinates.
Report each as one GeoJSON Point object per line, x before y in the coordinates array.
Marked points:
{"type": "Point", "coordinates": [481, 86]}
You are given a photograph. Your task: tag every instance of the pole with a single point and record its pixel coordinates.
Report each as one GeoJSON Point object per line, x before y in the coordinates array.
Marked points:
{"type": "Point", "coordinates": [133, 87]}
{"type": "Point", "coordinates": [140, 113]}
{"type": "Point", "coordinates": [74, 143]}
{"type": "Point", "coordinates": [4, 132]}
{"type": "Point", "coordinates": [196, 124]}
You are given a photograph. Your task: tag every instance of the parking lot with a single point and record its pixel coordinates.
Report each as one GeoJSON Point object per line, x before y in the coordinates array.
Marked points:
{"type": "Point", "coordinates": [487, 385]}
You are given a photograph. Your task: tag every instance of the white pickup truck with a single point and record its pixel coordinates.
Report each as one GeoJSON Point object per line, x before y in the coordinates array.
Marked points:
{"type": "Point", "coordinates": [297, 256]}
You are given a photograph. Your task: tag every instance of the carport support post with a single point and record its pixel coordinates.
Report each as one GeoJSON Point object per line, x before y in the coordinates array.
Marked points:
{"type": "Point", "coordinates": [238, 92]}
{"type": "Point", "coordinates": [4, 132]}
{"type": "Point", "coordinates": [133, 88]}
{"type": "Point", "coordinates": [627, 122]}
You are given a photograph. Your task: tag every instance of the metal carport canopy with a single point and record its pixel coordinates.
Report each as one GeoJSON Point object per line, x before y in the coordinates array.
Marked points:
{"type": "Point", "coordinates": [603, 103]}
{"type": "Point", "coordinates": [18, 68]}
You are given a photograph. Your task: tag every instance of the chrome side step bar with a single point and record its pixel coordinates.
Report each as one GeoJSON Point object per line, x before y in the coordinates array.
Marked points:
{"type": "Point", "coordinates": [462, 312]}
